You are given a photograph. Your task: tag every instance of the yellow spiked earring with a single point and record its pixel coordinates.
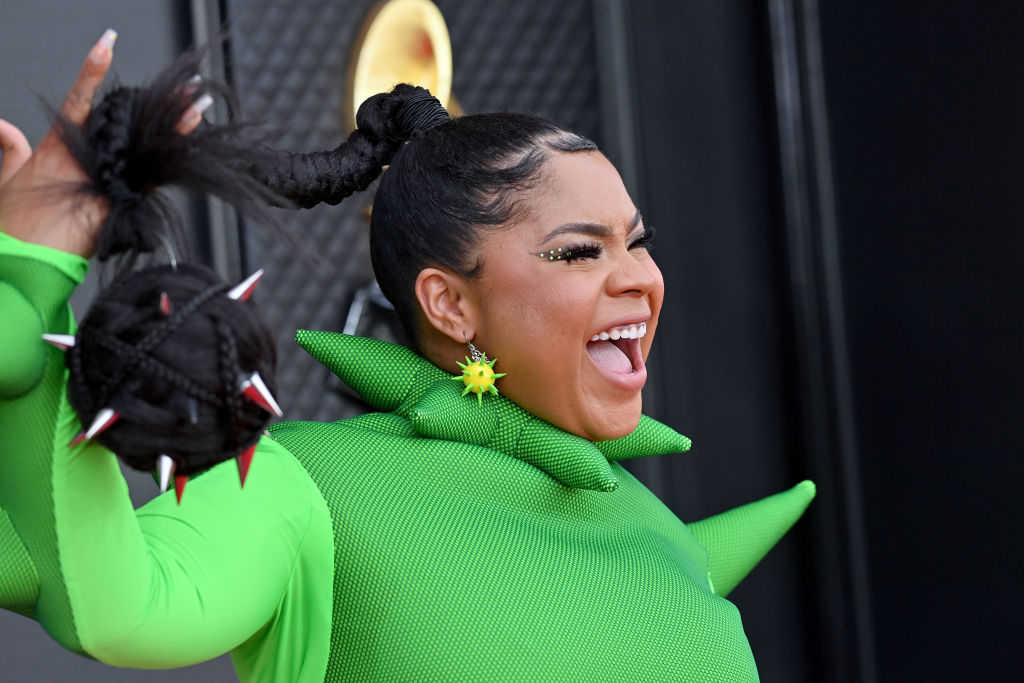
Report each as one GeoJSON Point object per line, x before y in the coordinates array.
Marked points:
{"type": "Point", "coordinates": [478, 374]}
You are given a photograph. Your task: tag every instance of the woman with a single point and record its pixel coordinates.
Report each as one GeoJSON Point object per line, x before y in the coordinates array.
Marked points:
{"type": "Point", "coordinates": [445, 537]}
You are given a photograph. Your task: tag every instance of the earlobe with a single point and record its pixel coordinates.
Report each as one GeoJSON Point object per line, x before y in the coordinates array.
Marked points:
{"type": "Point", "coordinates": [446, 303]}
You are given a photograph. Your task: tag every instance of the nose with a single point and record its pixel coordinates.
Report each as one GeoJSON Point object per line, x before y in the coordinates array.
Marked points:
{"type": "Point", "coordinates": [634, 275]}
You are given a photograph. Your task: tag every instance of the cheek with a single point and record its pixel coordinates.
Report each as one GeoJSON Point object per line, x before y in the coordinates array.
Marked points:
{"type": "Point", "coordinates": [658, 289]}
{"type": "Point", "coordinates": [537, 330]}
{"type": "Point", "coordinates": [554, 313]}
{"type": "Point", "coordinates": [655, 300]}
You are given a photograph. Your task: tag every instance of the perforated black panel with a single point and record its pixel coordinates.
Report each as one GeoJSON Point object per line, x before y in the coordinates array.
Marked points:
{"type": "Point", "coordinates": [289, 63]}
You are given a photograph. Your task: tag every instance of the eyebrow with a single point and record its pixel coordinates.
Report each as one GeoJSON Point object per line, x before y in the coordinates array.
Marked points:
{"type": "Point", "coordinates": [592, 229]}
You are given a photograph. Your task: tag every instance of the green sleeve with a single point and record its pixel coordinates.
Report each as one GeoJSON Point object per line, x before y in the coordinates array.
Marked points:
{"type": "Point", "coordinates": [169, 585]}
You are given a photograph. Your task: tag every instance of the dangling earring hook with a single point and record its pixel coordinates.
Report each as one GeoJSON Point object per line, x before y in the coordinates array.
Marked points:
{"type": "Point", "coordinates": [474, 353]}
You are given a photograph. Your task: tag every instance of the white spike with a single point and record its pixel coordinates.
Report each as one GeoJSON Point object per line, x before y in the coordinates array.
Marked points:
{"type": "Point", "coordinates": [243, 289]}
{"type": "Point", "coordinates": [104, 419]}
{"type": "Point", "coordinates": [256, 390]}
{"type": "Point", "coordinates": [61, 341]}
{"type": "Point", "coordinates": [165, 467]}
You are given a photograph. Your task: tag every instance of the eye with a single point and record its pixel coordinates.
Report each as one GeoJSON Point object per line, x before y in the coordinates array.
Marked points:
{"type": "Point", "coordinates": [573, 252]}
{"type": "Point", "coordinates": [581, 252]}
{"type": "Point", "coordinates": [644, 241]}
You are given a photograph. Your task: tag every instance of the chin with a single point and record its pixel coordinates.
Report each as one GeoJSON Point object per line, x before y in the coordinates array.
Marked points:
{"type": "Point", "coordinates": [594, 416]}
{"type": "Point", "coordinates": [613, 424]}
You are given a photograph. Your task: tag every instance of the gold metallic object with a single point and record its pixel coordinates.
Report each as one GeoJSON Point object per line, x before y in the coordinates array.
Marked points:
{"type": "Point", "coordinates": [401, 41]}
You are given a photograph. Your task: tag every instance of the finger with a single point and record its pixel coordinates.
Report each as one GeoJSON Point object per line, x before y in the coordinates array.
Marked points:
{"type": "Point", "coordinates": [78, 102]}
{"type": "Point", "coordinates": [194, 114]}
{"type": "Point", "coordinates": [16, 150]}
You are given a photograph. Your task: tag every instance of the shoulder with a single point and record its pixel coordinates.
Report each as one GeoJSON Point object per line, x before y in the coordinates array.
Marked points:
{"type": "Point", "coordinates": [353, 435]}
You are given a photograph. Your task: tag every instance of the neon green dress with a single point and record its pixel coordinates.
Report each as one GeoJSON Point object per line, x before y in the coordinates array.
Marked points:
{"type": "Point", "coordinates": [434, 540]}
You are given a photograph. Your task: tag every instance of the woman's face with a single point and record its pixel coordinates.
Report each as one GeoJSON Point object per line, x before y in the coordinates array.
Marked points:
{"type": "Point", "coordinates": [541, 315]}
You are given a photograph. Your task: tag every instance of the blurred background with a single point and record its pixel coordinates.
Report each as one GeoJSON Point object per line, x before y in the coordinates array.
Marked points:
{"type": "Point", "coordinates": [836, 188]}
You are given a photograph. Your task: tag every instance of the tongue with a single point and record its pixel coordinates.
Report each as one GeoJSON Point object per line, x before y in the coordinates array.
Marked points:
{"type": "Point", "coordinates": [610, 356]}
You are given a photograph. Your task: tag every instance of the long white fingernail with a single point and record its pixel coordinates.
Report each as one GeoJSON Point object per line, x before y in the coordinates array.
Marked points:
{"type": "Point", "coordinates": [203, 103]}
{"type": "Point", "coordinates": [104, 45]}
{"type": "Point", "coordinates": [192, 85]}
{"type": "Point", "coordinates": [108, 38]}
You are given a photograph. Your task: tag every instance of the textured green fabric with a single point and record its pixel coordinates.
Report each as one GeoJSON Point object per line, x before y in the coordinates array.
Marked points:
{"type": "Point", "coordinates": [248, 571]}
{"type": "Point", "coordinates": [437, 540]}
{"type": "Point", "coordinates": [43, 278]}
{"type": "Point", "coordinates": [499, 547]}
{"type": "Point", "coordinates": [737, 540]}
{"type": "Point", "coordinates": [22, 327]}
{"type": "Point", "coordinates": [393, 378]}
{"type": "Point", "coordinates": [19, 583]}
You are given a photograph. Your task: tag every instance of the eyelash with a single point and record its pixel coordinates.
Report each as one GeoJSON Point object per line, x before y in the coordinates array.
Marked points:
{"type": "Point", "coordinates": [645, 240]}
{"type": "Point", "coordinates": [584, 250]}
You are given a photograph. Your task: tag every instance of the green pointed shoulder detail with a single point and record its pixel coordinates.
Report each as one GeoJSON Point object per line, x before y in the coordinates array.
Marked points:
{"type": "Point", "coordinates": [736, 540]}
{"type": "Point", "coordinates": [444, 413]}
{"type": "Point", "coordinates": [393, 378]}
{"type": "Point", "coordinates": [385, 375]}
{"type": "Point", "coordinates": [649, 438]}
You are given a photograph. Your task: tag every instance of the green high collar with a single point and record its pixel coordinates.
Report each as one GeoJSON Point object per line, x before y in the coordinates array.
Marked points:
{"type": "Point", "coordinates": [392, 378]}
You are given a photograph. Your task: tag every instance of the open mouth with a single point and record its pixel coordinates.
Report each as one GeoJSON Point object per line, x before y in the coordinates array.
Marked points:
{"type": "Point", "coordinates": [617, 349]}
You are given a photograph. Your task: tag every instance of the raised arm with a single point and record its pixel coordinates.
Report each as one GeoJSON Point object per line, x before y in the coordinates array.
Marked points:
{"type": "Point", "coordinates": [170, 585]}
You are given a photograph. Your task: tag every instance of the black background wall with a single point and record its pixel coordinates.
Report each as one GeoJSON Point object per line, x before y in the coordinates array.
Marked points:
{"type": "Point", "coordinates": [927, 112]}
{"type": "Point", "coordinates": [705, 120]}
{"type": "Point", "coordinates": [836, 193]}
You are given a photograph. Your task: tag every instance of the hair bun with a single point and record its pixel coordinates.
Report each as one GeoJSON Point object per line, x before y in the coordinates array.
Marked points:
{"type": "Point", "coordinates": [400, 115]}
{"type": "Point", "coordinates": [172, 372]}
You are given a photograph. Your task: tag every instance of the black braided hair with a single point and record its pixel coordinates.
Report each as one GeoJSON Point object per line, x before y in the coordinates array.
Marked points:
{"type": "Point", "coordinates": [175, 395]}
{"type": "Point", "coordinates": [383, 123]}
{"type": "Point", "coordinates": [173, 374]}
{"type": "Point", "coordinates": [447, 179]}
{"type": "Point", "coordinates": [175, 381]}
{"type": "Point", "coordinates": [129, 147]}
{"type": "Point", "coordinates": [444, 188]}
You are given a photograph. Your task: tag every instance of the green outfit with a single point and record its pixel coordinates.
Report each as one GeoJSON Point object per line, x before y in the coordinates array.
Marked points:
{"type": "Point", "coordinates": [434, 540]}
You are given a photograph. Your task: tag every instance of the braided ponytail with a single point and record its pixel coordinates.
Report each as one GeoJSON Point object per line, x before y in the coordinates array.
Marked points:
{"type": "Point", "coordinates": [136, 355]}
{"type": "Point", "coordinates": [384, 122]}
{"type": "Point", "coordinates": [164, 354]}
{"type": "Point", "coordinates": [129, 147]}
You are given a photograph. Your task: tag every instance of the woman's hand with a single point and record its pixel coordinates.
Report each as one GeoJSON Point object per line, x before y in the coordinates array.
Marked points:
{"type": "Point", "coordinates": [39, 198]}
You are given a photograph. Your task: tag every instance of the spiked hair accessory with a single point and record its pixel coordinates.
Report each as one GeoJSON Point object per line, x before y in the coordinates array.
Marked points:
{"type": "Point", "coordinates": [478, 374]}
{"type": "Point", "coordinates": [172, 369]}
{"type": "Point", "coordinates": [147, 390]}
{"type": "Point", "coordinates": [169, 370]}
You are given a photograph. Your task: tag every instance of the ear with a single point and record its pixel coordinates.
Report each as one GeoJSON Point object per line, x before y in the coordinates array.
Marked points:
{"type": "Point", "coordinates": [447, 302]}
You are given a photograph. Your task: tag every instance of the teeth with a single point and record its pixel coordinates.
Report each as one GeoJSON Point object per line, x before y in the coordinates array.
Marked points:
{"type": "Point", "coordinates": [623, 332]}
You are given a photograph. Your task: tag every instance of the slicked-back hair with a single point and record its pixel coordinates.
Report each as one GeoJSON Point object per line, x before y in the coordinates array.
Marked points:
{"type": "Point", "coordinates": [446, 187]}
